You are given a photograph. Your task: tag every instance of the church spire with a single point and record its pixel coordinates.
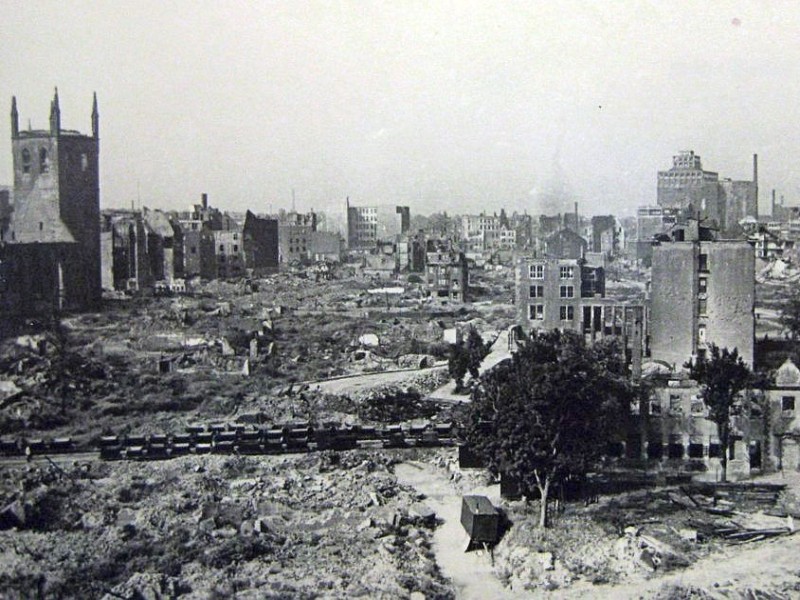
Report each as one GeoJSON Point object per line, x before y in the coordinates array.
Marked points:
{"type": "Point", "coordinates": [14, 118]}
{"type": "Point", "coordinates": [55, 115]}
{"type": "Point", "coordinates": [95, 118]}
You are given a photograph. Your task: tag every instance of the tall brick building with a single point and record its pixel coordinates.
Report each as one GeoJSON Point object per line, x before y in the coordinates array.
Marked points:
{"type": "Point", "coordinates": [51, 237]}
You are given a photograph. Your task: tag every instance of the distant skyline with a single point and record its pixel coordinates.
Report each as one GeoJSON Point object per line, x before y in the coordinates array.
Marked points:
{"type": "Point", "coordinates": [459, 106]}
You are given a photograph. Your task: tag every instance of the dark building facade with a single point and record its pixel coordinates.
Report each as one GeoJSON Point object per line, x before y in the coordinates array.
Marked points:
{"type": "Point", "coordinates": [260, 242]}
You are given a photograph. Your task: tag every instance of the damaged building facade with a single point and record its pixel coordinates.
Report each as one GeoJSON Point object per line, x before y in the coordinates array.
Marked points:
{"type": "Point", "coordinates": [569, 295]}
{"type": "Point", "coordinates": [446, 273]}
{"type": "Point", "coordinates": [50, 254]}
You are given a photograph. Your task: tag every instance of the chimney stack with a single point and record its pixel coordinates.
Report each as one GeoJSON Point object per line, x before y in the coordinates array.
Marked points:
{"type": "Point", "coordinates": [773, 203]}
{"type": "Point", "coordinates": [204, 201]}
{"type": "Point", "coordinates": [755, 169]}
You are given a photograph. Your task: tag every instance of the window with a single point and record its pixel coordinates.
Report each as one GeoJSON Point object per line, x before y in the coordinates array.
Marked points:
{"type": "Point", "coordinates": [787, 403]}
{"type": "Point", "coordinates": [567, 313]}
{"type": "Point", "coordinates": [567, 291]}
{"type": "Point", "coordinates": [84, 162]}
{"type": "Point", "coordinates": [702, 307]}
{"type": "Point", "coordinates": [702, 286]}
{"type": "Point", "coordinates": [44, 162]}
{"type": "Point", "coordinates": [566, 272]}
{"type": "Point", "coordinates": [536, 312]}
{"type": "Point", "coordinates": [703, 263]}
{"type": "Point", "coordinates": [236, 236]}
{"type": "Point", "coordinates": [655, 407]}
{"type": "Point", "coordinates": [537, 271]}
{"type": "Point", "coordinates": [222, 247]}
{"type": "Point", "coordinates": [193, 250]}
{"type": "Point", "coordinates": [26, 160]}
{"type": "Point", "coordinates": [675, 406]}
{"type": "Point", "coordinates": [714, 450]}
{"type": "Point", "coordinates": [235, 247]}
{"type": "Point", "coordinates": [41, 226]}
{"type": "Point", "coordinates": [536, 291]}
{"type": "Point", "coordinates": [698, 408]}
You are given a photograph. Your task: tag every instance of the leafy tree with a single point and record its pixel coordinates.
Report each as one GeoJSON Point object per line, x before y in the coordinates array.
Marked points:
{"type": "Point", "coordinates": [723, 375]}
{"type": "Point", "coordinates": [550, 411]}
{"type": "Point", "coordinates": [466, 357]}
{"type": "Point", "coordinates": [476, 352]}
{"type": "Point", "coordinates": [458, 364]}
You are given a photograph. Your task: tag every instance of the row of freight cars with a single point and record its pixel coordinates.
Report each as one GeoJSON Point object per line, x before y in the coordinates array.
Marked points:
{"type": "Point", "coordinates": [239, 439]}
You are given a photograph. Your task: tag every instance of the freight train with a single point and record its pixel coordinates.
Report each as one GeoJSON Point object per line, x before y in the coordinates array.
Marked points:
{"type": "Point", "coordinates": [235, 438]}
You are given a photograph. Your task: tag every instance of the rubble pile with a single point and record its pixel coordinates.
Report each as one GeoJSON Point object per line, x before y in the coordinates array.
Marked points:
{"type": "Point", "coordinates": [327, 524]}
{"type": "Point", "coordinates": [637, 535]}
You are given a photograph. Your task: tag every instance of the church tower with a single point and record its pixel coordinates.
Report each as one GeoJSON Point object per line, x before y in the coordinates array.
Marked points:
{"type": "Point", "coordinates": [57, 199]}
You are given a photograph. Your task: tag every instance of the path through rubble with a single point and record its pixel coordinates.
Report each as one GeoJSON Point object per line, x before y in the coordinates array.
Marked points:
{"type": "Point", "coordinates": [471, 573]}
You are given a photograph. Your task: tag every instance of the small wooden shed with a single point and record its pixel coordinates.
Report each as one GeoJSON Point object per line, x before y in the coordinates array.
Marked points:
{"type": "Point", "coordinates": [481, 519]}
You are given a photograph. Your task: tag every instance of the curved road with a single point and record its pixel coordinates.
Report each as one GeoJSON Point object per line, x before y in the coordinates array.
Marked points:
{"type": "Point", "coordinates": [470, 572]}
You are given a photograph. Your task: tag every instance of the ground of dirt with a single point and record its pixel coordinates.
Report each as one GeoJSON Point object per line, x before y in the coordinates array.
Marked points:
{"type": "Point", "coordinates": [638, 544]}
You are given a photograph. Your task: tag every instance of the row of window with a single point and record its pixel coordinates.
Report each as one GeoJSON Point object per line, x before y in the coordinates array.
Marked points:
{"type": "Point", "coordinates": [44, 161]}
{"type": "Point", "coordinates": [564, 291]}
{"type": "Point", "coordinates": [536, 312]}
{"type": "Point", "coordinates": [537, 272]}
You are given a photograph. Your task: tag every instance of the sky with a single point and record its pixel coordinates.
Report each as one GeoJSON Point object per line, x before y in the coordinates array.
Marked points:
{"type": "Point", "coordinates": [458, 106]}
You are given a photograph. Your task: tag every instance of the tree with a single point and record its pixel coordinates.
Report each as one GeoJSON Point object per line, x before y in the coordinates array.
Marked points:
{"type": "Point", "coordinates": [476, 352]}
{"type": "Point", "coordinates": [466, 357]}
{"type": "Point", "coordinates": [723, 375]}
{"type": "Point", "coordinates": [550, 411]}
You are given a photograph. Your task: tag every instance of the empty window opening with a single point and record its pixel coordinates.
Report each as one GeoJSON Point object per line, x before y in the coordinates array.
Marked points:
{"type": "Point", "coordinates": [655, 450]}
{"type": "Point", "coordinates": [695, 450]}
{"type": "Point", "coordinates": [26, 160]}
{"type": "Point", "coordinates": [44, 161]}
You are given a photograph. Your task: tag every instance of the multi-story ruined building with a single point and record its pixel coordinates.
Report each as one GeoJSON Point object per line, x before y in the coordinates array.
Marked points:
{"type": "Point", "coordinates": [50, 233]}
{"type": "Point", "coordinates": [446, 273]}
{"type": "Point", "coordinates": [367, 225]}
{"type": "Point", "coordinates": [260, 241]}
{"type": "Point", "coordinates": [568, 294]}
{"type": "Point", "coordinates": [703, 195]}
{"type": "Point", "coordinates": [702, 291]}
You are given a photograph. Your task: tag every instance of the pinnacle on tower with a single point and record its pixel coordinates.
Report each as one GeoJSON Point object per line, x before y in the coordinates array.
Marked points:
{"type": "Point", "coordinates": [95, 117]}
{"type": "Point", "coordinates": [55, 115]}
{"type": "Point", "coordinates": [14, 118]}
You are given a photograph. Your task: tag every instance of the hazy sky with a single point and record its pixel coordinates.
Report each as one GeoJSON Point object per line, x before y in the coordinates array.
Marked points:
{"type": "Point", "coordinates": [455, 106]}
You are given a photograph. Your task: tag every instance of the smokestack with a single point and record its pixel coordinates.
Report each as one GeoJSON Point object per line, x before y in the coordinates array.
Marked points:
{"type": "Point", "coordinates": [773, 203]}
{"type": "Point", "coordinates": [577, 223]}
{"type": "Point", "coordinates": [204, 201]}
{"type": "Point", "coordinates": [755, 169]}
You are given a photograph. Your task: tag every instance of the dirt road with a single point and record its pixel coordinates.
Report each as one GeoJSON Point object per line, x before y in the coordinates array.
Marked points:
{"type": "Point", "coordinates": [471, 573]}
{"type": "Point", "coordinates": [357, 383]}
